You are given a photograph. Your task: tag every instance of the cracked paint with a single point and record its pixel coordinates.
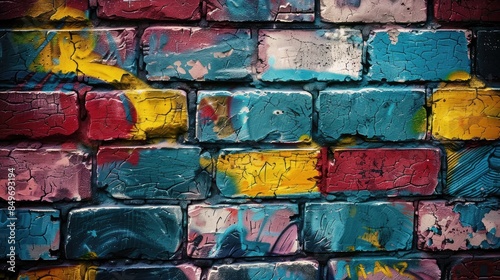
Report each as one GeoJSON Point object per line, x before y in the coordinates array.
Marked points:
{"type": "Point", "coordinates": [254, 115]}
{"type": "Point", "coordinates": [403, 11]}
{"type": "Point", "coordinates": [459, 226]}
{"type": "Point", "coordinates": [297, 270]}
{"type": "Point", "coordinates": [391, 114]}
{"type": "Point", "coordinates": [155, 10]}
{"type": "Point", "coordinates": [141, 232]}
{"type": "Point", "coordinates": [383, 268]}
{"type": "Point", "coordinates": [360, 172]}
{"type": "Point", "coordinates": [58, 272]}
{"type": "Point", "coordinates": [348, 227]}
{"type": "Point", "coordinates": [45, 10]}
{"type": "Point", "coordinates": [191, 53]}
{"type": "Point", "coordinates": [154, 172]}
{"type": "Point", "coordinates": [38, 114]}
{"type": "Point", "coordinates": [488, 47]}
{"type": "Point", "coordinates": [136, 114]}
{"type": "Point", "coordinates": [418, 55]}
{"type": "Point", "coordinates": [48, 173]}
{"type": "Point", "coordinates": [473, 170]}
{"type": "Point", "coordinates": [36, 233]}
{"type": "Point", "coordinates": [303, 55]}
{"type": "Point", "coordinates": [144, 271]}
{"type": "Point", "coordinates": [268, 173]}
{"type": "Point", "coordinates": [467, 10]}
{"type": "Point", "coordinates": [262, 10]}
{"type": "Point", "coordinates": [250, 230]}
{"type": "Point", "coordinates": [476, 268]}
{"type": "Point", "coordinates": [464, 113]}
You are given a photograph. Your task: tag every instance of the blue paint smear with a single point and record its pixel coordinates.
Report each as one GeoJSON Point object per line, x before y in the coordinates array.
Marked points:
{"type": "Point", "coordinates": [268, 271]}
{"type": "Point", "coordinates": [280, 75]}
{"type": "Point", "coordinates": [261, 10]}
{"type": "Point", "coordinates": [127, 106]}
{"type": "Point", "coordinates": [143, 272]}
{"type": "Point", "coordinates": [472, 214]}
{"type": "Point", "coordinates": [425, 55]}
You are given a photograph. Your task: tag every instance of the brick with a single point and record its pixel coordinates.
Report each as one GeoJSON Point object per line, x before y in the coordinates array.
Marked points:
{"type": "Point", "coordinates": [141, 232]}
{"type": "Point", "coordinates": [299, 270]}
{"type": "Point", "coordinates": [401, 55]}
{"type": "Point", "coordinates": [303, 55]}
{"type": "Point", "coordinates": [197, 54]}
{"type": "Point", "coordinates": [156, 10]}
{"type": "Point", "coordinates": [254, 115]}
{"type": "Point", "coordinates": [383, 268]}
{"type": "Point", "coordinates": [251, 230]}
{"type": "Point", "coordinates": [74, 272]}
{"type": "Point", "coordinates": [465, 114]}
{"type": "Point", "coordinates": [473, 170]}
{"type": "Point", "coordinates": [46, 173]}
{"type": "Point", "coordinates": [277, 173]}
{"type": "Point", "coordinates": [268, 10]}
{"type": "Point", "coordinates": [459, 226]}
{"type": "Point", "coordinates": [487, 48]}
{"type": "Point", "coordinates": [154, 172]}
{"type": "Point", "coordinates": [390, 114]}
{"type": "Point", "coordinates": [136, 115]}
{"type": "Point", "coordinates": [93, 55]}
{"type": "Point", "coordinates": [486, 267]}
{"type": "Point", "coordinates": [467, 10]}
{"type": "Point", "coordinates": [36, 232]}
{"type": "Point", "coordinates": [404, 11]}
{"type": "Point", "coordinates": [347, 226]}
{"type": "Point", "coordinates": [142, 271]}
{"type": "Point", "coordinates": [358, 172]}
{"type": "Point", "coordinates": [38, 114]}
{"type": "Point", "coordinates": [45, 10]}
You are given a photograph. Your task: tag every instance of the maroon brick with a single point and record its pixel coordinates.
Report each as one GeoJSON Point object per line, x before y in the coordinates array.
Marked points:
{"type": "Point", "coordinates": [467, 10]}
{"type": "Point", "coordinates": [38, 114]}
{"type": "Point", "coordinates": [487, 267]}
{"type": "Point", "coordinates": [157, 10]}
{"type": "Point", "coordinates": [46, 173]}
{"type": "Point", "coordinates": [392, 172]}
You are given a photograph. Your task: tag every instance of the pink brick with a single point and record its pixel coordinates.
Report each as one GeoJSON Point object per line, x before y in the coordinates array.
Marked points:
{"type": "Point", "coordinates": [467, 10]}
{"type": "Point", "coordinates": [38, 114]}
{"type": "Point", "coordinates": [392, 172]}
{"type": "Point", "coordinates": [156, 10]}
{"type": "Point", "coordinates": [46, 173]}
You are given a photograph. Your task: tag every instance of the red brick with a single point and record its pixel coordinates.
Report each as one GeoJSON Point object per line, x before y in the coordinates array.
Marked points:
{"type": "Point", "coordinates": [38, 114]}
{"type": "Point", "coordinates": [467, 10]}
{"type": "Point", "coordinates": [157, 10]}
{"type": "Point", "coordinates": [486, 267]}
{"type": "Point", "coordinates": [392, 172]}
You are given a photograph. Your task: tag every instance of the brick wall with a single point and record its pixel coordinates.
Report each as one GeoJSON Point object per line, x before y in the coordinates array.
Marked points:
{"type": "Point", "coordinates": [270, 139]}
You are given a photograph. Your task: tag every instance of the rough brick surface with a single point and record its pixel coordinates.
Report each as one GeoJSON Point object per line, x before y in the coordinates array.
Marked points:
{"type": "Point", "coordinates": [57, 272]}
{"type": "Point", "coordinates": [140, 232]}
{"type": "Point", "coordinates": [299, 270]}
{"type": "Point", "coordinates": [157, 10]}
{"type": "Point", "coordinates": [266, 10]}
{"type": "Point", "coordinates": [303, 55]}
{"type": "Point", "coordinates": [473, 170]}
{"type": "Point", "coordinates": [46, 173]}
{"type": "Point", "coordinates": [136, 115]}
{"type": "Point", "coordinates": [154, 172]}
{"type": "Point", "coordinates": [487, 267]}
{"type": "Point", "coordinates": [467, 10]}
{"type": "Point", "coordinates": [392, 114]}
{"type": "Point", "coordinates": [382, 171]}
{"type": "Point", "coordinates": [400, 55]}
{"type": "Point", "coordinates": [374, 11]}
{"type": "Point", "coordinates": [196, 54]}
{"type": "Point", "coordinates": [268, 173]}
{"type": "Point", "coordinates": [458, 226]}
{"type": "Point", "coordinates": [254, 115]}
{"type": "Point", "coordinates": [488, 46]}
{"type": "Point", "coordinates": [466, 114]}
{"type": "Point", "coordinates": [36, 233]}
{"type": "Point", "coordinates": [250, 230]}
{"type": "Point", "coordinates": [45, 10]}
{"type": "Point", "coordinates": [38, 114]}
{"type": "Point", "coordinates": [95, 55]}
{"type": "Point", "coordinates": [383, 268]}
{"type": "Point", "coordinates": [140, 272]}
{"type": "Point", "coordinates": [346, 226]}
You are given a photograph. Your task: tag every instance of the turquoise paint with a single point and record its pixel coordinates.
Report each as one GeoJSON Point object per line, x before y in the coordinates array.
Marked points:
{"type": "Point", "coordinates": [128, 107]}
{"type": "Point", "coordinates": [282, 75]}
{"type": "Point", "coordinates": [471, 215]}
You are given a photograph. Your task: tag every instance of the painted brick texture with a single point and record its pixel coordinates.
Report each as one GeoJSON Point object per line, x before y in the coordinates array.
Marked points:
{"type": "Point", "coordinates": [236, 139]}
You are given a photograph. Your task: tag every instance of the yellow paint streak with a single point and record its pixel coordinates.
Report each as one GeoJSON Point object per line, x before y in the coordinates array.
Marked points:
{"type": "Point", "coordinates": [466, 113]}
{"type": "Point", "coordinates": [459, 76]}
{"type": "Point", "coordinates": [160, 113]}
{"type": "Point", "coordinates": [271, 173]}
{"type": "Point", "coordinates": [59, 272]}
{"type": "Point", "coordinates": [361, 271]}
{"type": "Point", "coordinates": [372, 237]}
{"type": "Point", "coordinates": [382, 268]}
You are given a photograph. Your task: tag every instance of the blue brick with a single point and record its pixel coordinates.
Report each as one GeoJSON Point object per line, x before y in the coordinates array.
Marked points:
{"type": "Point", "coordinates": [392, 113]}
{"type": "Point", "coordinates": [401, 55]}
{"type": "Point", "coordinates": [148, 272]}
{"type": "Point", "coordinates": [254, 115]}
